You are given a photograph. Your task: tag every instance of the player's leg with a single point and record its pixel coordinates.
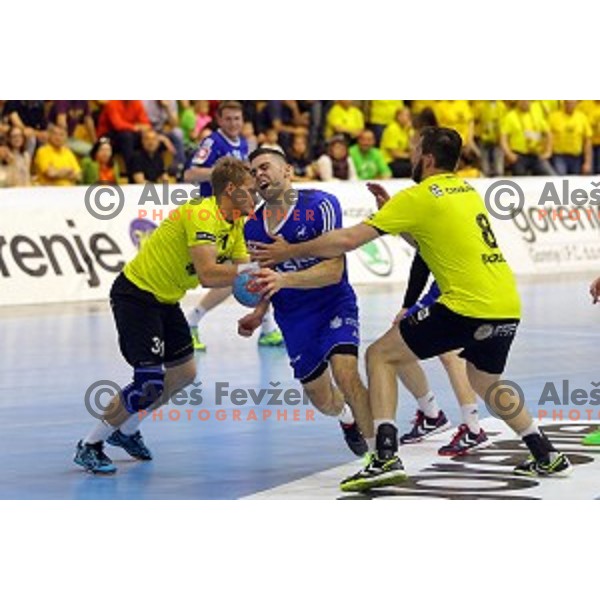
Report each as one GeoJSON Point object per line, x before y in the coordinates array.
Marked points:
{"type": "Point", "coordinates": [329, 400]}
{"type": "Point", "coordinates": [470, 436]}
{"type": "Point", "coordinates": [210, 300]}
{"type": "Point", "coordinates": [502, 401]}
{"type": "Point", "coordinates": [347, 378]}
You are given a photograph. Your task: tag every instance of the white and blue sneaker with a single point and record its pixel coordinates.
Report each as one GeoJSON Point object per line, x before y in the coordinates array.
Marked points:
{"type": "Point", "coordinates": [92, 458]}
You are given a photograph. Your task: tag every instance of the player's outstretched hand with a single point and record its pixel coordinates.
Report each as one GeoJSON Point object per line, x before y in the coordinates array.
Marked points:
{"type": "Point", "coordinates": [269, 281]}
{"type": "Point", "coordinates": [249, 324]}
{"type": "Point", "coordinates": [269, 255]}
{"type": "Point", "coordinates": [595, 290]}
{"type": "Point", "coordinates": [380, 193]}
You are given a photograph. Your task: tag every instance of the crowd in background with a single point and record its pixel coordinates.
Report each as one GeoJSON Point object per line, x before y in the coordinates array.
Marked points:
{"type": "Point", "coordinates": [70, 142]}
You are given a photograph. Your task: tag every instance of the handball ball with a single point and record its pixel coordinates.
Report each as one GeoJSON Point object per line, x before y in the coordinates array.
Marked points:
{"type": "Point", "coordinates": [246, 290]}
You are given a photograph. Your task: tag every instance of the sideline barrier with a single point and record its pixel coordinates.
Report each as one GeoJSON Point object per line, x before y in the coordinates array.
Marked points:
{"type": "Point", "coordinates": [53, 250]}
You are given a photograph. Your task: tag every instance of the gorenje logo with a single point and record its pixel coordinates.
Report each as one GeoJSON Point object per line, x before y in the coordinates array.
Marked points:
{"type": "Point", "coordinates": [59, 254]}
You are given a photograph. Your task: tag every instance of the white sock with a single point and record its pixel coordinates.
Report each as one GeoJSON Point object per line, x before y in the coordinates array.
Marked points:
{"type": "Point", "coordinates": [428, 405]}
{"type": "Point", "coordinates": [268, 323]}
{"type": "Point", "coordinates": [195, 315]}
{"type": "Point", "coordinates": [470, 417]}
{"type": "Point", "coordinates": [371, 444]}
{"type": "Point", "coordinates": [533, 428]}
{"type": "Point", "coordinates": [378, 422]}
{"type": "Point", "coordinates": [132, 424]}
{"type": "Point", "coordinates": [346, 417]}
{"type": "Point", "coordinates": [99, 433]}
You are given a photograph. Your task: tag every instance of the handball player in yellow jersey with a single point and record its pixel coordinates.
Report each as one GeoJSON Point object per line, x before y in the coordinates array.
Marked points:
{"type": "Point", "coordinates": [188, 249]}
{"type": "Point", "coordinates": [478, 310]}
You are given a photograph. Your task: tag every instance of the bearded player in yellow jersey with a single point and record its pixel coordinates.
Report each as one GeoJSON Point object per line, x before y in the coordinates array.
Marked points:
{"type": "Point", "coordinates": [188, 249]}
{"type": "Point", "coordinates": [478, 310]}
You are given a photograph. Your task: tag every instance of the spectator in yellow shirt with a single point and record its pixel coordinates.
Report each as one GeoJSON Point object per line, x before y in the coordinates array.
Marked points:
{"type": "Point", "coordinates": [571, 140]}
{"type": "Point", "coordinates": [457, 114]}
{"type": "Point", "coordinates": [592, 110]}
{"type": "Point", "coordinates": [55, 164]}
{"type": "Point", "coordinates": [526, 141]}
{"type": "Point", "coordinates": [488, 118]}
{"type": "Point", "coordinates": [344, 118]}
{"type": "Point", "coordinates": [395, 144]}
{"type": "Point", "coordinates": [382, 113]}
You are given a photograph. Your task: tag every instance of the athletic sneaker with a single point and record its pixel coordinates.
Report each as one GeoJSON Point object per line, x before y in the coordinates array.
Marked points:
{"type": "Point", "coordinates": [132, 444]}
{"type": "Point", "coordinates": [376, 473]}
{"type": "Point", "coordinates": [592, 439]}
{"type": "Point", "coordinates": [92, 458]}
{"type": "Point", "coordinates": [465, 441]}
{"type": "Point", "coordinates": [198, 345]}
{"type": "Point", "coordinates": [354, 438]}
{"type": "Point", "coordinates": [273, 338]}
{"type": "Point", "coordinates": [424, 427]}
{"type": "Point", "coordinates": [555, 465]}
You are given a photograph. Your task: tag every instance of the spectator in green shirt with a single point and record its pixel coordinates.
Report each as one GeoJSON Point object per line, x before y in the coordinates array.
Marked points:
{"type": "Point", "coordinates": [368, 160]}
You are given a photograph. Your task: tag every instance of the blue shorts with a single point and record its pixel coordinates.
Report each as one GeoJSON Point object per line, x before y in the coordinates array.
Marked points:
{"type": "Point", "coordinates": [427, 300]}
{"type": "Point", "coordinates": [311, 339]}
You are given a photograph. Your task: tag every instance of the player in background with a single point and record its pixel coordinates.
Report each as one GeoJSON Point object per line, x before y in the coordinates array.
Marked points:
{"type": "Point", "coordinates": [593, 439]}
{"type": "Point", "coordinates": [227, 140]}
{"type": "Point", "coordinates": [313, 302]}
{"type": "Point", "coordinates": [478, 311]}
{"type": "Point", "coordinates": [430, 419]}
{"type": "Point", "coordinates": [154, 337]}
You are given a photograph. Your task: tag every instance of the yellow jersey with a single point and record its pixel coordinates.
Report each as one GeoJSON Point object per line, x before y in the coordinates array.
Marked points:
{"type": "Point", "coordinates": [163, 266]}
{"type": "Point", "coordinates": [488, 117]}
{"type": "Point", "coordinates": [591, 108]}
{"type": "Point", "coordinates": [456, 114]}
{"type": "Point", "coordinates": [525, 131]}
{"type": "Point", "coordinates": [448, 219]}
{"type": "Point", "coordinates": [383, 112]}
{"type": "Point", "coordinates": [569, 132]}
{"type": "Point", "coordinates": [49, 157]}
{"type": "Point", "coordinates": [395, 137]}
{"type": "Point", "coordinates": [350, 118]}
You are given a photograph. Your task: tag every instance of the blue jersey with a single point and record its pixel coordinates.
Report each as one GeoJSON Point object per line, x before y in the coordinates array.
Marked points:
{"type": "Point", "coordinates": [315, 323]}
{"type": "Point", "coordinates": [315, 213]}
{"type": "Point", "coordinates": [211, 149]}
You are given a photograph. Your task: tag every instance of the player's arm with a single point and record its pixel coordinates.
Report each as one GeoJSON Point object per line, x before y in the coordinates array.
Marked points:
{"type": "Point", "coordinates": [329, 245]}
{"type": "Point", "coordinates": [417, 280]}
{"type": "Point", "coordinates": [209, 272]}
{"type": "Point", "coordinates": [327, 272]}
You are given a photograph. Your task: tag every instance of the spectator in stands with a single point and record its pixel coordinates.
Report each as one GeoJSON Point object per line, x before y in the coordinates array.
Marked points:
{"type": "Point", "coordinates": [336, 164]}
{"type": "Point", "coordinates": [4, 161]}
{"type": "Point", "coordinates": [488, 120]}
{"type": "Point", "coordinates": [19, 158]}
{"type": "Point", "coordinates": [195, 122]}
{"type": "Point", "coordinates": [468, 164]}
{"type": "Point", "coordinates": [368, 160]}
{"type": "Point", "coordinates": [526, 141]}
{"type": "Point", "coordinates": [55, 164]}
{"type": "Point", "coordinates": [250, 137]}
{"type": "Point", "coordinates": [300, 160]}
{"type": "Point", "coordinates": [123, 121]}
{"type": "Point", "coordinates": [395, 144]}
{"type": "Point", "coordinates": [286, 118]}
{"type": "Point", "coordinates": [592, 110]}
{"type": "Point", "coordinates": [147, 164]}
{"type": "Point", "coordinates": [164, 119]}
{"type": "Point", "coordinates": [344, 118]}
{"type": "Point", "coordinates": [571, 140]}
{"type": "Point", "coordinates": [381, 114]}
{"type": "Point", "coordinates": [75, 116]}
{"type": "Point", "coordinates": [458, 115]}
{"type": "Point", "coordinates": [31, 116]}
{"type": "Point", "coordinates": [100, 166]}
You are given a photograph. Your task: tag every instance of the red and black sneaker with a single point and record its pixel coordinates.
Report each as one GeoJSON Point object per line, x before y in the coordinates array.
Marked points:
{"type": "Point", "coordinates": [464, 442]}
{"type": "Point", "coordinates": [424, 427]}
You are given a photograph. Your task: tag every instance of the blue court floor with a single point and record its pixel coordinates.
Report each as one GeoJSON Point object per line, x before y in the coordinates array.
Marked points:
{"type": "Point", "coordinates": [51, 354]}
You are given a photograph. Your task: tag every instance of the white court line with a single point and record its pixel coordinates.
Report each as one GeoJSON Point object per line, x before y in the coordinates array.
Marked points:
{"type": "Point", "coordinates": [483, 475]}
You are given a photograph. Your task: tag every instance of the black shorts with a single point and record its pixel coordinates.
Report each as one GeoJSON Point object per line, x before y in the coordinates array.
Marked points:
{"type": "Point", "coordinates": [435, 330]}
{"type": "Point", "coordinates": [150, 332]}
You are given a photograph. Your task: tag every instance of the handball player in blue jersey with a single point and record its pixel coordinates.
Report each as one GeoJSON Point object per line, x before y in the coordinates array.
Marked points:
{"type": "Point", "coordinates": [314, 305]}
{"type": "Point", "coordinates": [227, 140]}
